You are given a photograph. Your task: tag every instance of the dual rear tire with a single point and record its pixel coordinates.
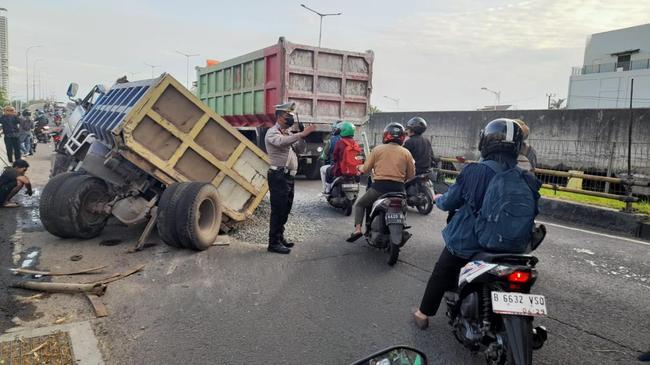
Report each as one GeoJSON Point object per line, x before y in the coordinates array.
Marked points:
{"type": "Point", "coordinates": [71, 205]}
{"type": "Point", "coordinates": [189, 215]}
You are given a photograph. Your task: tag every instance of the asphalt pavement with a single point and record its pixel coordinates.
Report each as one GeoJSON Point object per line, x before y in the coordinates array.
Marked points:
{"type": "Point", "coordinates": [330, 301]}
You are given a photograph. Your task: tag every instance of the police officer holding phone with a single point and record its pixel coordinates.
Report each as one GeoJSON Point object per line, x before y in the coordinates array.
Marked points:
{"type": "Point", "coordinates": [284, 165]}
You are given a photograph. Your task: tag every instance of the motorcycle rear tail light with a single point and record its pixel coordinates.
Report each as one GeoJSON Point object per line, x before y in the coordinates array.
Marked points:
{"type": "Point", "coordinates": [519, 277]}
{"type": "Point", "coordinates": [395, 203]}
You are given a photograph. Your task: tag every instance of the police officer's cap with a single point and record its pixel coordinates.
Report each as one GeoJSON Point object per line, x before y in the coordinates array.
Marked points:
{"type": "Point", "coordinates": [289, 108]}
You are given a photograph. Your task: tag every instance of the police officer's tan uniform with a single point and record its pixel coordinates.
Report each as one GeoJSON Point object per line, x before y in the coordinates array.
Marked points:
{"type": "Point", "coordinates": [284, 165]}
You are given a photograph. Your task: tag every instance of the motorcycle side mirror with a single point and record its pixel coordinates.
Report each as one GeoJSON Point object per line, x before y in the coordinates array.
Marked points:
{"type": "Point", "coordinates": [72, 90]}
{"type": "Point", "coordinates": [395, 355]}
{"type": "Point", "coordinates": [101, 88]}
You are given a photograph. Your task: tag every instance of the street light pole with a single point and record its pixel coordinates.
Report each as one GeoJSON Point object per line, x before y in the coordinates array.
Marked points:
{"type": "Point", "coordinates": [152, 68]}
{"type": "Point", "coordinates": [187, 75]}
{"type": "Point", "coordinates": [27, 72]}
{"type": "Point", "coordinates": [394, 100]}
{"type": "Point", "coordinates": [497, 94]}
{"type": "Point", "coordinates": [321, 15]}
{"type": "Point", "coordinates": [34, 77]}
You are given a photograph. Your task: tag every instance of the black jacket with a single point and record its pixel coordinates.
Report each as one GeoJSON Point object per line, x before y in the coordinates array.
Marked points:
{"type": "Point", "coordinates": [420, 149]}
{"type": "Point", "coordinates": [10, 125]}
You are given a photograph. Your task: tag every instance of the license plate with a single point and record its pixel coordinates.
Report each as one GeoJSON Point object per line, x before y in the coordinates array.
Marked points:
{"type": "Point", "coordinates": [392, 218]}
{"type": "Point", "coordinates": [350, 186]}
{"type": "Point", "coordinates": [519, 304]}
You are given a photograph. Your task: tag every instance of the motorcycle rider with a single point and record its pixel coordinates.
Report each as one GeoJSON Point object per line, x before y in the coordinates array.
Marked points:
{"type": "Point", "coordinates": [392, 165]}
{"type": "Point", "coordinates": [326, 155]}
{"type": "Point", "coordinates": [419, 146]}
{"type": "Point", "coordinates": [338, 157]}
{"type": "Point", "coordinates": [500, 141]}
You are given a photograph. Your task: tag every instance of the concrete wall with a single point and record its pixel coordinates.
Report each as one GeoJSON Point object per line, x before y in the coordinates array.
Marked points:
{"type": "Point", "coordinates": [609, 90]}
{"type": "Point", "coordinates": [586, 139]}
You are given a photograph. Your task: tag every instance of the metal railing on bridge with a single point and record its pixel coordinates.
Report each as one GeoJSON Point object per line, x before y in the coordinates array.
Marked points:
{"type": "Point", "coordinates": [574, 182]}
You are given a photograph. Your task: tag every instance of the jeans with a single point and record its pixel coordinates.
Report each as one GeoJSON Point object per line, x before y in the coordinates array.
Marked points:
{"type": "Point", "coordinates": [25, 143]}
{"type": "Point", "coordinates": [443, 278]}
{"type": "Point", "coordinates": [323, 178]}
{"type": "Point", "coordinates": [12, 143]}
{"type": "Point", "coordinates": [281, 187]}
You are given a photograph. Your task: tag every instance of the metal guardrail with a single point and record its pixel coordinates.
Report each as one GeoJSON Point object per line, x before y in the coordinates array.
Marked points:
{"type": "Point", "coordinates": [612, 67]}
{"type": "Point", "coordinates": [544, 174]}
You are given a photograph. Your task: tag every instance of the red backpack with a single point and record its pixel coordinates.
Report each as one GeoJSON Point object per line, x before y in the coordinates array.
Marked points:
{"type": "Point", "coordinates": [350, 161]}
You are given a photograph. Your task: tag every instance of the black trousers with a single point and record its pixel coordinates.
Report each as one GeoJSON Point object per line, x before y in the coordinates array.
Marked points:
{"type": "Point", "coordinates": [281, 187]}
{"type": "Point", "coordinates": [443, 278]}
{"type": "Point", "coordinates": [13, 148]}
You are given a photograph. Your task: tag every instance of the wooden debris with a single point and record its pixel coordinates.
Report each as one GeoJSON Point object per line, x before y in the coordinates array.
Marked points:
{"type": "Point", "coordinates": [123, 275]}
{"type": "Point", "coordinates": [98, 289]}
{"type": "Point", "coordinates": [96, 281]}
{"type": "Point", "coordinates": [31, 298]}
{"type": "Point", "coordinates": [61, 320]}
{"type": "Point", "coordinates": [50, 273]}
{"type": "Point", "coordinates": [37, 348]}
{"type": "Point", "coordinates": [98, 305]}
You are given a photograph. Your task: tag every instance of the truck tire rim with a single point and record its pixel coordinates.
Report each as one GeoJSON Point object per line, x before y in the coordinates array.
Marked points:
{"type": "Point", "coordinates": [207, 215]}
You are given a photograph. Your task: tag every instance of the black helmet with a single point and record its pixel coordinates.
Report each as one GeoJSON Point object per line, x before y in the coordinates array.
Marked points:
{"type": "Point", "coordinates": [417, 125]}
{"type": "Point", "coordinates": [394, 132]}
{"type": "Point", "coordinates": [501, 135]}
{"type": "Point", "coordinates": [336, 127]}
{"type": "Point", "coordinates": [26, 113]}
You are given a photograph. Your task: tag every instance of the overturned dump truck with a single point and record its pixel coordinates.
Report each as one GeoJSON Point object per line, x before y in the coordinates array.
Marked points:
{"type": "Point", "coordinates": [159, 155]}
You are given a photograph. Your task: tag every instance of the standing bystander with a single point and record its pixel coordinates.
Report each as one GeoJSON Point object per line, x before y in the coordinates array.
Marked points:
{"type": "Point", "coordinates": [11, 128]}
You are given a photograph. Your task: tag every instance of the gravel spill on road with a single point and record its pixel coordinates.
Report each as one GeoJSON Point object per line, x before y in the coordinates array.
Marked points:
{"type": "Point", "coordinates": [300, 226]}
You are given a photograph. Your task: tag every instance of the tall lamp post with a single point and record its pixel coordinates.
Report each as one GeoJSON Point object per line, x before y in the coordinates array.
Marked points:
{"type": "Point", "coordinates": [187, 75]}
{"type": "Point", "coordinates": [497, 94]}
{"type": "Point", "coordinates": [27, 71]}
{"type": "Point", "coordinates": [321, 15]}
{"type": "Point", "coordinates": [152, 68]}
{"type": "Point", "coordinates": [34, 77]}
{"type": "Point", "coordinates": [394, 100]}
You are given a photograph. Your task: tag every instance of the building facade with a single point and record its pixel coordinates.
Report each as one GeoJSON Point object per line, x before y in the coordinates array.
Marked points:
{"type": "Point", "coordinates": [612, 59]}
{"type": "Point", "coordinates": [4, 51]}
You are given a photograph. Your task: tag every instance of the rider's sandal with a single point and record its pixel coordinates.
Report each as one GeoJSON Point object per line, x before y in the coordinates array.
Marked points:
{"type": "Point", "coordinates": [354, 236]}
{"type": "Point", "coordinates": [421, 323]}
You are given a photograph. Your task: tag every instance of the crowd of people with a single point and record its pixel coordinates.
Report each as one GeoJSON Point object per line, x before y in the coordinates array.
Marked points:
{"type": "Point", "coordinates": [19, 131]}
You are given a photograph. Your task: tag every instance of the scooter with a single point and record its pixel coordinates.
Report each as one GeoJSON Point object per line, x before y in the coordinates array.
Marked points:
{"type": "Point", "coordinates": [344, 192]}
{"type": "Point", "coordinates": [420, 192]}
{"type": "Point", "coordinates": [386, 227]}
{"type": "Point", "coordinates": [492, 310]}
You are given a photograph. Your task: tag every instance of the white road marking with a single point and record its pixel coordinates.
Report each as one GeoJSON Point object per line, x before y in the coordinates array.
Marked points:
{"type": "Point", "coordinates": [595, 233]}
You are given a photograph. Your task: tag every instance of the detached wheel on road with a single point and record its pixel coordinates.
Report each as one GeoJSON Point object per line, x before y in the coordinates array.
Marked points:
{"type": "Point", "coordinates": [198, 216]}
{"type": "Point", "coordinates": [80, 203]}
{"type": "Point", "coordinates": [47, 206]}
{"type": "Point", "coordinates": [166, 220]}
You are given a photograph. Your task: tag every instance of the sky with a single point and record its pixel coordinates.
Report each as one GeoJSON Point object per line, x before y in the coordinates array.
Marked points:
{"type": "Point", "coordinates": [431, 55]}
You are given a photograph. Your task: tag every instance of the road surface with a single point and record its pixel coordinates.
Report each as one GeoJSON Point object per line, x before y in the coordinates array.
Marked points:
{"type": "Point", "coordinates": [329, 302]}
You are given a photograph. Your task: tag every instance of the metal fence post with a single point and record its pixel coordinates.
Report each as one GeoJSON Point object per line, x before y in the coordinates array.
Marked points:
{"type": "Point", "coordinates": [610, 164]}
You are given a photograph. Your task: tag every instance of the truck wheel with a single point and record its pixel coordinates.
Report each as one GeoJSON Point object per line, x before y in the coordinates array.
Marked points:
{"type": "Point", "coordinates": [78, 203]}
{"type": "Point", "coordinates": [198, 216]}
{"type": "Point", "coordinates": [167, 214]}
{"type": "Point", "coordinates": [46, 207]}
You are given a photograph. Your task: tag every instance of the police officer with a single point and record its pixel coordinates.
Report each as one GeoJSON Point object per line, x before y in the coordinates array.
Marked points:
{"type": "Point", "coordinates": [284, 165]}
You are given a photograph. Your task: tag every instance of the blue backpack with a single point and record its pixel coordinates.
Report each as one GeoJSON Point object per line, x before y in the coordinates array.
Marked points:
{"type": "Point", "coordinates": [506, 219]}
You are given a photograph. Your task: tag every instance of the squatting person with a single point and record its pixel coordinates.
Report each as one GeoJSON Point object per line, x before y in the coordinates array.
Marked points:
{"type": "Point", "coordinates": [11, 181]}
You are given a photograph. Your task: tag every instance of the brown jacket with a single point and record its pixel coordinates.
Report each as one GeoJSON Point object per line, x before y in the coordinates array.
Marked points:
{"type": "Point", "coordinates": [390, 162]}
